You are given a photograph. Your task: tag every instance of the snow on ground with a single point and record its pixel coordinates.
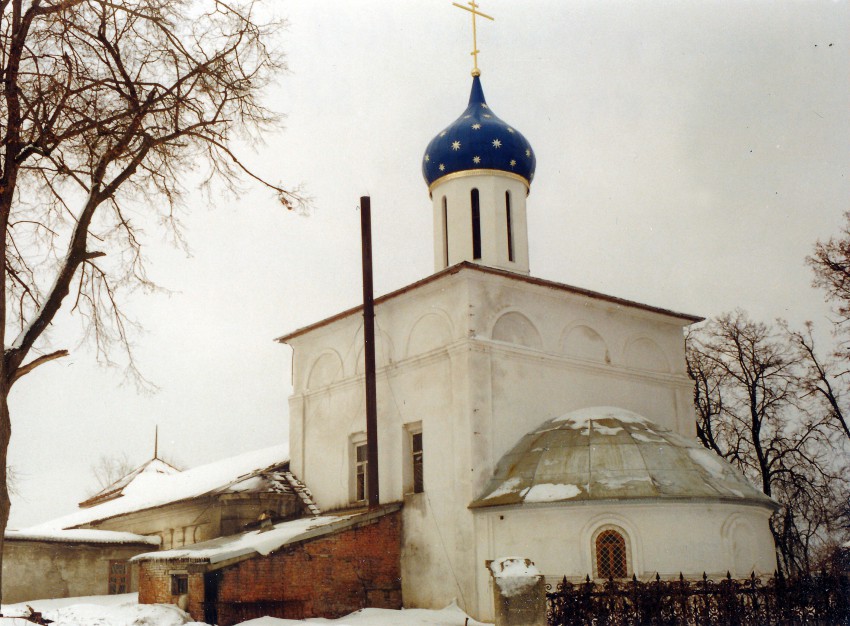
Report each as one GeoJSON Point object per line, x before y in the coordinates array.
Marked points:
{"type": "Point", "coordinates": [124, 610]}
{"type": "Point", "coordinates": [117, 610]}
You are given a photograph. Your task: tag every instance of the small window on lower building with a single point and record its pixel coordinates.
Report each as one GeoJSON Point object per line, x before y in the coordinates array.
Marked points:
{"type": "Point", "coordinates": [611, 555]}
{"type": "Point", "coordinates": [119, 577]}
{"type": "Point", "coordinates": [179, 584]}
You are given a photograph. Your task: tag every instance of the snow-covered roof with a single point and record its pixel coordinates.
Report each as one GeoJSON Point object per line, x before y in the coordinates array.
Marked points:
{"type": "Point", "coordinates": [82, 535]}
{"type": "Point", "coordinates": [154, 489]}
{"type": "Point", "coordinates": [115, 490]}
{"type": "Point", "coordinates": [263, 542]}
{"type": "Point", "coordinates": [608, 453]}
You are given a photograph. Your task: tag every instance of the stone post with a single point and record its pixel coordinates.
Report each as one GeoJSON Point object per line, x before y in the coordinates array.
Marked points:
{"type": "Point", "coordinates": [519, 592]}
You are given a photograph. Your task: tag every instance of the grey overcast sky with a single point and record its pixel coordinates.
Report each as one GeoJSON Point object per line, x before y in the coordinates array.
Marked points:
{"type": "Point", "coordinates": [689, 154]}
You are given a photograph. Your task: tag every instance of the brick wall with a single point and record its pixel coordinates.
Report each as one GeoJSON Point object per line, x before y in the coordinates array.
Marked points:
{"type": "Point", "coordinates": [328, 576]}
{"type": "Point", "coordinates": [155, 585]}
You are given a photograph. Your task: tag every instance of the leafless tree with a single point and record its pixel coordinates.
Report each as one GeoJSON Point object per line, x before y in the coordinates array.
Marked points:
{"type": "Point", "coordinates": [106, 109]}
{"type": "Point", "coordinates": [110, 468]}
{"type": "Point", "coordinates": [750, 396]}
{"type": "Point", "coordinates": [830, 263]}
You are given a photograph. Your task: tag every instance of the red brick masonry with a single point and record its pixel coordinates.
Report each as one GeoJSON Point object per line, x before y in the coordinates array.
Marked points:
{"type": "Point", "coordinates": [328, 576]}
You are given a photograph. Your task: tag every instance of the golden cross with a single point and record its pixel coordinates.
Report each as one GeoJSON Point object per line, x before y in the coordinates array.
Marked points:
{"type": "Point", "coordinates": [472, 9]}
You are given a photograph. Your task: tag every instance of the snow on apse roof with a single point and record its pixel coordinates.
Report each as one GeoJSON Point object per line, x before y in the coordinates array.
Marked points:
{"type": "Point", "coordinates": [152, 489]}
{"type": "Point", "coordinates": [604, 453]}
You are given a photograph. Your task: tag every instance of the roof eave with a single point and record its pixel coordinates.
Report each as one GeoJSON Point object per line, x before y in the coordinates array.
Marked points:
{"type": "Point", "coordinates": [455, 269]}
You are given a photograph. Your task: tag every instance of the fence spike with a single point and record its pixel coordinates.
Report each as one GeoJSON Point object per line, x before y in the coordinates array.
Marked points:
{"type": "Point", "coordinates": [657, 576]}
{"type": "Point", "coordinates": [634, 578]}
{"type": "Point", "coordinates": [681, 577]}
{"type": "Point", "coordinates": [728, 575]}
{"type": "Point", "coordinates": [587, 578]}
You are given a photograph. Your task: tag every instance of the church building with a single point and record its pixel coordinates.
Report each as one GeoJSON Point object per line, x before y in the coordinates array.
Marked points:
{"type": "Point", "coordinates": [517, 416]}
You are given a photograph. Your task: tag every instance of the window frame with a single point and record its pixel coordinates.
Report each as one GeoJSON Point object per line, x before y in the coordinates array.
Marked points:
{"type": "Point", "coordinates": [359, 468]}
{"type": "Point", "coordinates": [413, 482]}
{"type": "Point", "coordinates": [118, 582]}
{"type": "Point", "coordinates": [179, 583]}
{"type": "Point", "coordinates": [617, 570]}
{"type": "Point", "coordinates": [475, 202]}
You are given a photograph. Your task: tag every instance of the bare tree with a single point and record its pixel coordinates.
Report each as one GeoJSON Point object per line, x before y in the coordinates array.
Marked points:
{"type": "Point", "coordinates": [750, 398]}
{"type": "Point", "coordinates": [824, 378]}
{"type": "Point", "coordinates": [106, 108]}
{"type": "Point", "coordinates": [109, 469]}
{"type": "Point", "coordinates": [830, 263]}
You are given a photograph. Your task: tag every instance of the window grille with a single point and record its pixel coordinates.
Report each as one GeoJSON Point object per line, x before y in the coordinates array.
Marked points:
{"type": "Point", "coordinates": [119, 579]}
{"type": "Point", "coordinates": [611, 561]}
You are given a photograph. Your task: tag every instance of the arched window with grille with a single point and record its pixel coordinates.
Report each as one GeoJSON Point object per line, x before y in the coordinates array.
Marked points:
{"type": "Point", "coordinates": [612, 559]}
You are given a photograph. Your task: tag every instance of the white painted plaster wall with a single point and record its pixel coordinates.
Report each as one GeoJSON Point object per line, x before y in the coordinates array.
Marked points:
{"type": "Point", "coordinates": [475, 396]}
{"type": "Point", "coordinates": [494, 240]}
{"type": "Point", "coordinates": [663, 537]}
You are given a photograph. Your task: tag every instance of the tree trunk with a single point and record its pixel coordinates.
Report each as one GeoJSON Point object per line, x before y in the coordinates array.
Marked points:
{"type": "Point", "coordinates": [5, 435]}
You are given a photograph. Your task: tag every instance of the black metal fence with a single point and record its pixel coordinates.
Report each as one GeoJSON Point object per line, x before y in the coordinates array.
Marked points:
{"type": "Point", "coordinates": [818, 600]}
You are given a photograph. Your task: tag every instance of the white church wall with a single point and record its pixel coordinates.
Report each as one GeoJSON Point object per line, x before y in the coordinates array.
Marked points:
{"type": "Point", "coordinates": [666, 538]}
{"type": "Point", "coordinates": [494, 239]}
{"type": "Point", "coordinates": [474, 395]}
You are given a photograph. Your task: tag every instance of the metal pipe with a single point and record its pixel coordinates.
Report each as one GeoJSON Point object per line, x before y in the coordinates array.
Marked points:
{"type": "Point", "coordinates": [373, 494]}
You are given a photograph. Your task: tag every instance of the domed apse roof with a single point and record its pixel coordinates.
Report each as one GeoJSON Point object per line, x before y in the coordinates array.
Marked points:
{"type": "Point", "coordinates": [478, 140]}
{"type": "Point", "coordinates": [607, 453]}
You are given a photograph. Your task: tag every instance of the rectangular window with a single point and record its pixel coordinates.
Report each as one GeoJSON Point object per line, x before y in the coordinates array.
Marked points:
{"type": "Point", "coordinates": [476, 225]}
{"type": "Point", "coordinates": [446, 231]}
{"type": "Point", "coordinates": [361, 463]}
{"type": "Point", "coordinates": [179, 584]}
{"type": "Point", "coordinates": [510, 226]}
{"type": "Point", "coordinates": [416, 454]}
{"type": "Point", "coordinates": [119, 578]}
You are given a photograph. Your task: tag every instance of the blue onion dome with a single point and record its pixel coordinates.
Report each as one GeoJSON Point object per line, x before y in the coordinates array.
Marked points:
{"type": "Point", "coordinates": [478, 140]}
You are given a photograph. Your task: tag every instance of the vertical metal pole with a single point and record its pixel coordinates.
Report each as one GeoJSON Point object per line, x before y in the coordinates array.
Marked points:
{"type": "Point", "coordinates": [369, 354]}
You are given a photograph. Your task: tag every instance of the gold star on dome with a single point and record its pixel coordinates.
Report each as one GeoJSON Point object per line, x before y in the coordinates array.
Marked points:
{"type": "Point", "coordinates": [427, 158]}
{"type": "Point", "coordinates": [484, 105]}
{"type": "Point", "coordinates": [455, 145]}
{"type": "Point", "coordinates": [509, 129]}
{"type": "Point", "coordinates": [443, 134]}
{"type": "Point", "coordinates": [513, 162]}
{"type": "Point", "coordinates": [442, 167]}
{"type": "Point", "coordinates": [487, 116]}
{"type": "Point", "coordinates": [476, 159]}
{"type": "Point", "coordinates": [528, 153]}
{"type": "Point", "coordinates": [497, 143]}
{"type": "Point", "coordinates": [476, 126]}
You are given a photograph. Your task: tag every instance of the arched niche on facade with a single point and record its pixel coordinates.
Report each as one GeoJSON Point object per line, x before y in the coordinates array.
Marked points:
{"type": "Point", "coordinates": [582, 342]}
{"type": "Point", "coordinates": [516, 328]}
{"type": "Point", "coordinates": [739, 537]}
{"type": "Point", "coordinates": [430, 332]}
{"type": "Point", "coordinates": [326, 369]}
{"type": "Point", "coordinates": [643, 353]}
{"type": "Point", "coordinates": [383, 351]}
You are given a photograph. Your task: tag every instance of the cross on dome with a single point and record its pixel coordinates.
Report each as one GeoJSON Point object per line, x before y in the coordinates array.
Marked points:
{"type": "Point", "coordinates": [472, 8]}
